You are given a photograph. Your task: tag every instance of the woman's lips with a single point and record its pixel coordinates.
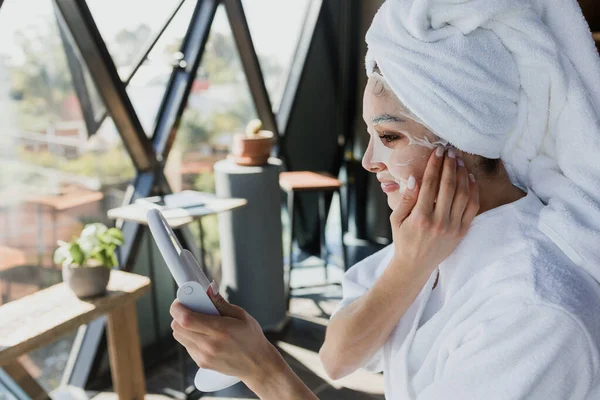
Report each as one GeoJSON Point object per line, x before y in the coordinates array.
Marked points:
{"type": "Point", "coordinates": [390, 186]}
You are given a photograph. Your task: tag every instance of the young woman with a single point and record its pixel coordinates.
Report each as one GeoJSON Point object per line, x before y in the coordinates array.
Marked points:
{"type": "Point", "coordinates": [484, 133]}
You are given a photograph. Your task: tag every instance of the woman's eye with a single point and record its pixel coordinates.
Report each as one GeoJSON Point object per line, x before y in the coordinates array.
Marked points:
{"type": "Point", "coordinates": [389, 138]}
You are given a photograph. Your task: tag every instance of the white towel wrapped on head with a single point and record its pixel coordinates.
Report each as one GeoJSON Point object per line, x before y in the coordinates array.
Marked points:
{"type": "Point", "coordinates": [512, 79]}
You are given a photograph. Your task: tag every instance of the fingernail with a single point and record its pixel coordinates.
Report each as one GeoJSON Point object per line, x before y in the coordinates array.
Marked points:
{"type": "Point", "coordinates": [439, 151]}
{"type": "Point", "coordinates": [472, 178]}
{"type": "Point", "coordinates": [451, 153]}
{"type": "Point", "coordinates": [460, 162]}
{"type": "Point", "coordinates": [214, 287]}
{"type": "Point", "coordinates": [412, 182]}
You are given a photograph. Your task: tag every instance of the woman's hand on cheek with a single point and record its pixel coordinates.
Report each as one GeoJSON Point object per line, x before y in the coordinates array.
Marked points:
{"type": "Point", "coordinates": [431, 220]}
{"type": "Point", "coordinates": [232, 343]}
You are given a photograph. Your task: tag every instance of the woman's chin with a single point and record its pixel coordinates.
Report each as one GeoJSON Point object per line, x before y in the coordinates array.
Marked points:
{"type": "Point", "coordinates": [393, 199]}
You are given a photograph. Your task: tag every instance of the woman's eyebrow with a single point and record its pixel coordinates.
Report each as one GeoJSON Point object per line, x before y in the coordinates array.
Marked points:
{"type": "Point", "coordinates": [383, 118]}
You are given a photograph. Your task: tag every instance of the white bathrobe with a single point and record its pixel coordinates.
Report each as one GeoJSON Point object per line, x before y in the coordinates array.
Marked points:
{"type": "Point", "coordinates": [511, 318]}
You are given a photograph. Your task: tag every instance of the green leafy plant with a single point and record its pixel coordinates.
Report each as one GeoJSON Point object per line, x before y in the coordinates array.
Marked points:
{"type": "Point", "coordinates": [95, 246]}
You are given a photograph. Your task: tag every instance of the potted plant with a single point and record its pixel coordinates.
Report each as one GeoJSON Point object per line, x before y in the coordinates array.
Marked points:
{"type": "Point", "coordinates": [253, 147]}
{"type": "Point", "coordinates": [87, 260]}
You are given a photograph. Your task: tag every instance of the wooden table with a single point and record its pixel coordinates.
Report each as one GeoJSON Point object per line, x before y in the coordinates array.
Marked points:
{"type": "Point", "coordinates": [37, 320]}
{"type": "Point", "coordinates": [178, 217]}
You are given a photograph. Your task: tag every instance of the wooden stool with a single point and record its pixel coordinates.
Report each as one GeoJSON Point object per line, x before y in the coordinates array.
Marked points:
{"type": "Point", "coordinates": [322, 183]}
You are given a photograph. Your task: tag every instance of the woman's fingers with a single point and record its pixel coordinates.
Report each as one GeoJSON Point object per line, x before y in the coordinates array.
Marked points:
{"type": "Point", "coordinates": [187, 339]}
{"type": "Point", "coordinates": [197, 347]}
{"type": "Point", "coordinates": [183, 339]}
{"type": "Point", "coordinates": [447, 188]}
{"type": "Point", "coordinates": [461, 195]}
{"type": "Point", "coordinates": [472, 205]}
{"type": "Point", "coordinates": [225, 308]}
{"type": "Point", "coordinates": [183, 333]}
{"type": "Point", "coordinates": [407, 203]}
{"type": "Point", "coordinates": [201, 323]}
{"type": "Point", "coordinates": [431, 182]}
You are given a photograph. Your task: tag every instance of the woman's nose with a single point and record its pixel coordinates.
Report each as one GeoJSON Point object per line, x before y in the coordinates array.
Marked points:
{"type": "Point", "coordinates": [369, 164]}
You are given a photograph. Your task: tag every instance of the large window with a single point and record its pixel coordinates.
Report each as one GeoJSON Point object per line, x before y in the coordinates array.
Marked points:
{"type": "Point", "coordinates": [53, 179]}
{"type": "Point", "coordinates": [219, 106]}
{"type": "Point", "coordinates": [148, 85]}
{"type": "Point", "coordinates": [127, 35]}
{"type": "Point", "coordinates": [63, 163]}
{"type": "Point", "coordinates": [275, 27]}
{"type": "Point", "coordinates": [128, 26]}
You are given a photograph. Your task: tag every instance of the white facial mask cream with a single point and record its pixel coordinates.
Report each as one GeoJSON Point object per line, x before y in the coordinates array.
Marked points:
{"type": "Point", "coordinates": [399, 160]}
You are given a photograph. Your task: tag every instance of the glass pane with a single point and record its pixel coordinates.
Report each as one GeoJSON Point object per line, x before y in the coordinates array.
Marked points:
{"type": "Point", "coordinates": [95, 101]}
{"type": "Point", "coordinates": [148, 85]}
{"type": "Point", "coordinates": [84, 85]}
{"type": "Point", "coordinates": [219, 106]}
{"type": "Point", "coordinates": [53, 179]}
{"type": "Point", "coordinates": [126, 26]}
{"type": "Point", "coordinates": [275, 27]}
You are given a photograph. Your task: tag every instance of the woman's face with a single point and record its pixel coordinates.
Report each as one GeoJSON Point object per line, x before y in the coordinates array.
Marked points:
{"type": "Point", "coordinates": [398, 145]}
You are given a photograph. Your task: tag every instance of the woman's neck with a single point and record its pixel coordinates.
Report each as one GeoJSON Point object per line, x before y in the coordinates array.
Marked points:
{"type": "Point", "coordinates": [497, 191]}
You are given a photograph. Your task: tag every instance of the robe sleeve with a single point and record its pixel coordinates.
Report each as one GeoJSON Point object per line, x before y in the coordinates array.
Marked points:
{"type": "Point", "coordinates": [532, 352]}
{"type": "Point", "coordinates": [357, 281]}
